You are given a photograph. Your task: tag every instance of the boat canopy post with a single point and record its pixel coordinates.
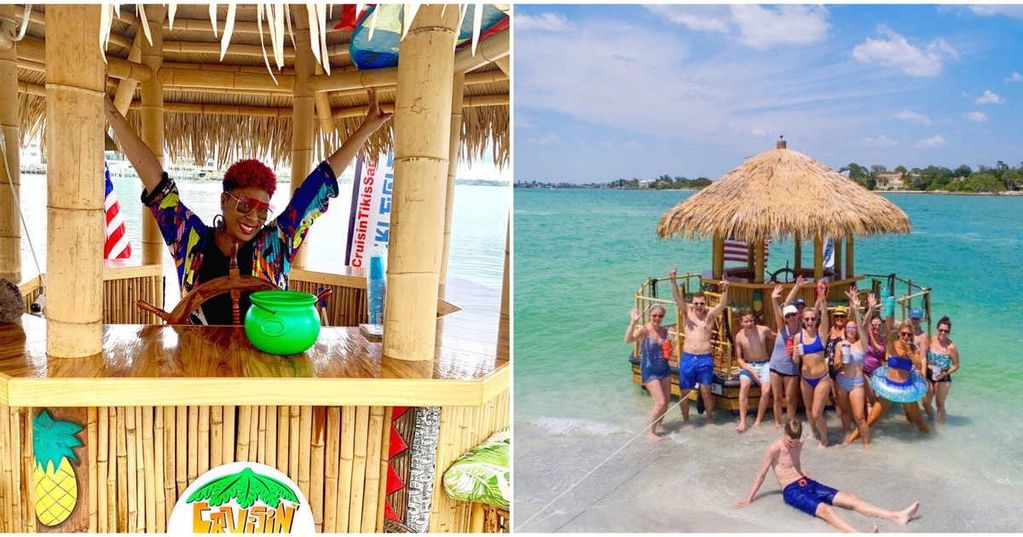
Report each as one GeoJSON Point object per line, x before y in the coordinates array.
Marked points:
{"type": "Point", "coordinates": [719, 257]}
{"type": "Point", "coordinates": [152, 125]}
{"type": "Point", "coordinates": [422, 122]}
{"type": "Point", "coordinates": [75, 88]}
{"type": "Point", "coordinates": [849, 267]}
{"type": "Point", "coordinates": [455, 144]}
{"type": "Point", "coordinates": [818, 258]}
{"type": "Point", "coordinates": [838, 259]}
{"type": "Point", "coordinates": [798, 247]}
{"type": "Point", "coordinates": [10, 123]}
{"type": "Point", "coordinates": [302, 112]}
{"type": "Point", "coordinates": [504, 321]}
{"type": "Point", "coordinates": [758, 261]}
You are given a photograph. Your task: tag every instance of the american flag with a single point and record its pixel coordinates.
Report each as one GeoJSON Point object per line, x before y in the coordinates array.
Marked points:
{"type": "Point", "coordinates": [740, 251]}
{"type": "Point", "coordinates": [117, 245]}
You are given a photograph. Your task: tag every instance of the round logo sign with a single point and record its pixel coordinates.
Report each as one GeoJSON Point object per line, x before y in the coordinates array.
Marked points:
{"type": "Point", "coordinates": [242, 497]}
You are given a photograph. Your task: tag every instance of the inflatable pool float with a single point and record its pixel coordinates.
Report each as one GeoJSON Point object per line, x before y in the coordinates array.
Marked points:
{"type": "Point", "coordinates": [910, 391]}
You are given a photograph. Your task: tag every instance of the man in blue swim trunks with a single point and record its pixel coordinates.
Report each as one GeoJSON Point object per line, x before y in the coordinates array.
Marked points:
{"type": "Point", "coordinates": [810, 496]}
{"type": "Point", "coordinates": [697, 362]}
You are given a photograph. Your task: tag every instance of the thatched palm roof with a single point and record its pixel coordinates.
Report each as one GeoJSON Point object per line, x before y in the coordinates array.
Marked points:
{"type": "Point", "coordinates": [780, 193]}
{"type": "Point", "coordinates": [225, 137]}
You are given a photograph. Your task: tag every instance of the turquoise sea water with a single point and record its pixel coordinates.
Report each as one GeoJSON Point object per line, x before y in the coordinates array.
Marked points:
{"type": "Point", "coordinates": [477, 230]}
{"type": "Point", "coordinates": [580, 255]}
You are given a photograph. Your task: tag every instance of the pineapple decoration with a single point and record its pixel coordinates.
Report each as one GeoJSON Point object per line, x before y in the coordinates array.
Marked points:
{"type": "Point", "coordinates": [56, 487]}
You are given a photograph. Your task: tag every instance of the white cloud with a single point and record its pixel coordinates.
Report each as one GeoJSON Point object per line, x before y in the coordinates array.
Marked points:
{"type": "Point", "coordinates": [757, 26]}
{"type": "Point", "coordinates": [990, 97]}
{"type": "Point", "coordinates": [879, 141]}
{"type": "Point", "coordinates": [1015, 77]}
{"type": "Point", "coordinates": [549, 22]}
{"type": "Point", "coordinates": [977, 117]}
{"type": "Point", "coordinates": [934, 141]}
{"type": "Point", "coordinates": [1013, 11]}
{"type": "Point", "coordinates": [758, 132]}
{"type": "Point", "coordinates": [913, 117]}
{"type": "Point", "coordinates": [705, 18]}
{"type": "Point", "coordinates": [895, 51]}
{"type": "Point", "coordinates": [764, 28]}
{"type": "Point", "coordinates": [547, 139]}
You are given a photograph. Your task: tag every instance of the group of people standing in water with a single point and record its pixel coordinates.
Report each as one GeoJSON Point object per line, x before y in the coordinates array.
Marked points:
{"type": "Point", "coordinates": [865, 364]}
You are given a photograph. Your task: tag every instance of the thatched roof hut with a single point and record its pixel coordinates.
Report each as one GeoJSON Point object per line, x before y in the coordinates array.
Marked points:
{"type": "Point", "coordinates": [229, 109]}
{"type": "Point", "coordinates": [782, 193]}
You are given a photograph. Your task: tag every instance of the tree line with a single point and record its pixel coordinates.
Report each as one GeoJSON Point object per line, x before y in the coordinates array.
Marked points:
{"type": "Point", "coordinates": [999, 178]}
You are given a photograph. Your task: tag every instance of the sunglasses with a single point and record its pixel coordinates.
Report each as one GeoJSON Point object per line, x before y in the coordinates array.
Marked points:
{"type": "Point", "coordinates": [906, 334]}
{"type": "Point", "coordinates": [942, 331]}
{"type": "Point", "coordinates": [246, 205]}
{"type": "Point", "coordinates": [809, 319]}
{"type": "Point", "coordinates": [791, 315]}
{"type": "Point", "coordinates": [839, 316]}
{"type": "Point", "coordinates": [656, 316]}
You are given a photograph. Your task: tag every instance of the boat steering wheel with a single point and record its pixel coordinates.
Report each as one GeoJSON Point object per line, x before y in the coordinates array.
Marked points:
{"type": "Point", "coordinates": [784, 270]}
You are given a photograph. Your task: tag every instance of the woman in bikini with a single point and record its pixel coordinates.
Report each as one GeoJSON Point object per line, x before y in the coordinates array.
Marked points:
{"type": "Point", "coordinates": [942, 361]}
{"type": "Point", "coordinates": [813, 363]}
{"type": "Point", "coordinates": [654, 348]}
{"type": "Point", "coordinates": [898, 381]}
{"type": "Point", "coordinates": [874, 353]}
{"type": "Point", "coordinates": [849, 357]}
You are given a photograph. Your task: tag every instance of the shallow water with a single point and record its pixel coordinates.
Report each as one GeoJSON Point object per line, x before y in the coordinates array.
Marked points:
{"type": "Point", "coordinates": [580, 256]}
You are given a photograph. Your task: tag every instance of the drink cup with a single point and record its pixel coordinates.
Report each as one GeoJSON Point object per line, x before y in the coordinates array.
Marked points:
{"type": "Point", "coordinates": [666, 348]}
{"type": "Point", "coordinates": [935, 373]}
{"type": "Point", "coordinates": [845, 353]}
{"type": "Point", "coordinates": [789, 345]}
{"type": "Point", "coordinates": [799, 349]}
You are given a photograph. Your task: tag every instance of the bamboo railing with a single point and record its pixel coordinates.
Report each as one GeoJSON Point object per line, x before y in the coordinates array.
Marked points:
{"type": "Point", "coordinates": [123, 286]}
{"type": "Point", "coordinates": [346, 306]}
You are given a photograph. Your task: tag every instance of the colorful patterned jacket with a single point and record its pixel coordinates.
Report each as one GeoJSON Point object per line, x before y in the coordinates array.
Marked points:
{"type": "Point", "coordinates": [273, 246]}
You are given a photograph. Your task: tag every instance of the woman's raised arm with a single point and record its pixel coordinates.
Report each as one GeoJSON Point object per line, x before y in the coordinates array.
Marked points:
{"type": "Point", "coordinates": [142, 158]}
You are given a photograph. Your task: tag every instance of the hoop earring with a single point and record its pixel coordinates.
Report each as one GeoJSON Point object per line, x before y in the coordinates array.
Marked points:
{"type": "Point", "coordinates": [218, 222]}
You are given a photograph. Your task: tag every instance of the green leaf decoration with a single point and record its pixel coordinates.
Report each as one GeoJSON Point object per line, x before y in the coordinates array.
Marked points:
{"type": "Point", "coordinates": [53, 440]}
{"type": "Point", "coordinates": [246, 487]}
{"type": "Point", "coordinates": [483, 474]}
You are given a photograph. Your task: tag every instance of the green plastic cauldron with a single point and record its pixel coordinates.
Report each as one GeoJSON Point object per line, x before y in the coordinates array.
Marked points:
{"type": "Point", "coordinates": [282, 322]}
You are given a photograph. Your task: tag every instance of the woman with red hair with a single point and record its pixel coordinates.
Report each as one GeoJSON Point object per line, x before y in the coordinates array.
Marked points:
{"type": "Point", "coordinates": [203, 252]}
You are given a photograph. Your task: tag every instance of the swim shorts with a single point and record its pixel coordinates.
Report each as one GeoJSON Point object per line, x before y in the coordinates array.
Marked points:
{"type": "Point", "coordinates": [695, 368]}
{"type": "Point", "coordinates": [763, 370]}
{"type": "Point", "coordinates": [806, 494]}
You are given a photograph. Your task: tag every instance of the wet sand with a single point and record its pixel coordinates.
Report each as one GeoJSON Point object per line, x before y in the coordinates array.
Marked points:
{"type": "Point", "coordinates": [690, 480]}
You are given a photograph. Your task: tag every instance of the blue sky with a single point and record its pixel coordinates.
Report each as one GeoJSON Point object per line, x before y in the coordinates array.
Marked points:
{"type": "Point", "coordinates": [609, 91]}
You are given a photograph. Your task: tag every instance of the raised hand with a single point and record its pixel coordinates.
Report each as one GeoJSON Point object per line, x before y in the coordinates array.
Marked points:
{"type": "Point", "coordinates": [634, 314]}
{"type": "Point", "coordinates": [375, 117]}
{"type": "Point", "coordinates": [776, 293]}
{"type": "Point", "coordinates": [872, 300]}
{"type": "Point", "coordinates": [800, 281]}
{"type": "Point", "coordinates": [673, 273]}
{"type": "Point", "coordinates": [723, 285]}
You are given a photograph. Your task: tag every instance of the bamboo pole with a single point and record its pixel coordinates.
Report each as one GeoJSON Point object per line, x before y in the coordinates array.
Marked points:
{"type": "Point", "coordinates": [102, 465]}
{"type": "Point", "coordinates": [153, 128]}
{"type": "Point", "coordinates": [230, 428]}
{"type": "Point", "coordinates": [170, 490]}
{"type": "Point", "coordinates": [330, 471]}
{"type": "Point", "coordinates": [798, 246]}
{"type": "Point", "coordinates": [10, 127]}
{"type": "Point", "coordinates": [140, 472]}
{"type": "Point", "coordinates": [74, 106]}
{"type": "Point", "coordinates": [718, 257]}
{"type": "Point", "coordinates": [322, 100]}
{"type": "Point", "coordinates": [244, 422]}
{"type": "Point", "coordinates": [240, 27]}
{"type": "Point", "coordinates": [504, 321]}
{"type": "Point", "coordinates": [254, 434]}
{"type": "Point", "coordinates": [91, 445]}
{"type": "Point", "coordinates": [271, 437]}
{"type": "Point", "coordinates": [113, 516]}
{"type": "Point", "coordinates": [24, 434]}
{"type": "Point", "coordinates": [849, 265]}
{"type": "Point", "coordinates": [216, 436]}
{"type": "Point", "coordinates": [838, 259]}
{"type": "Point", "coordinates": [504, 64]}
{"type": "Point", "coordinates": [818, 258]}
{"type": "Point", "coordinates": [181, 449]}
{"type": "Point", "coordinates": [149, 468]}
{"type": "Point", "coordinates": [6, 472]}
{"type": "Point", "coordinates": [160, 501]}
{"type": "Point", "coordinates": [316, 465]}
{"type": "Point", "coordinates": [305, 438]}
{"type": "Point", "coordinates": [454, 144]}
{"type": "Point", "coordinates": [226, 80]}
{"type": "Point", "coordinates": [355, 507]}
{"type": "Point", "coordinates": [302, 102]}
{"type": "Point", "coordinates": [294, 443]}
{"type": "Point", "coordinates": [261, 436]}
{"type": "Point", "coordinates": [344, 491]}
{"type": "Point", "coordinates": [383, 456]}
{"type": "Point", "coordinates": [126, 88]}
{"type": "Point", "coordinates": [204, 440]}
{"type": "Point", "coordinates": [185, 47]}
{"type": "Point", "coordinates": [493, 49]}
{"type": "Point", "coordinates": [422, 135]}
{"type": "Point", "coordinates": [283, 435]}
{"type": "Point", "coordinates": [130, 466]}
{"type": "Point", "coordinates": [193, 444]}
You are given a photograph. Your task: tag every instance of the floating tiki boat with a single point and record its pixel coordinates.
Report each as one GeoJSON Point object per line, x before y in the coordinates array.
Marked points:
{"type": "Point", "coordinates": [778, 194]}
{"type": "Point", "coordinates": [107, 415]}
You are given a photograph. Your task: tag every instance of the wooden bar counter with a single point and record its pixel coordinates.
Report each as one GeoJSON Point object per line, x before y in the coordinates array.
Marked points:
{"type": "Point", "coordinates": [163, 404]}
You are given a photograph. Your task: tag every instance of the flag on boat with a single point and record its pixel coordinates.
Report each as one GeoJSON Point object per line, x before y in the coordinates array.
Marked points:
{"type": "Point", "coordinates": [117, 245]}
{"type": "Point", "coordinates": [739, 251]}
{"type": "Point", "coordinates": [829, 254]}
{"type": "Point", "coordinates": [369, 222]}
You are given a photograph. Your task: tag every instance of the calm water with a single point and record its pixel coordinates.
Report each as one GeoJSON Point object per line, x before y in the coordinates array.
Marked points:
{"type": "Point", "coordinates": [579, 258]}
{"type": "Point", "coordinates": [477, 235]}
